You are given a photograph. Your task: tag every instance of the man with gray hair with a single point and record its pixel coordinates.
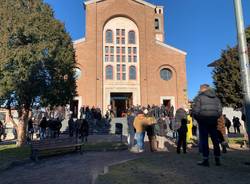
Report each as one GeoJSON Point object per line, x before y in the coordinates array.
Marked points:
{"type": "Point", "coordinates": [206, 110]}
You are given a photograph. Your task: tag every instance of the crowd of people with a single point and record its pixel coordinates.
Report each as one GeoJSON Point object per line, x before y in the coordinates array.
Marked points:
{"type": "Point", "coordinates": [159, 123]}
{"type": "Point", "coordinates": [49, 127]}
{"type": "Point", "coordinates": [91, 120]}
{"type": "Point", "coordinates": [93, 113]}
{"type": "Point", "coordinates": [204, 119]}
{"type": "Point", "coordinates": [45, 128]}
{"type": "Point", "coordinates": [79, 128]}
{"type": "Point", "coordinates": [236, 124]}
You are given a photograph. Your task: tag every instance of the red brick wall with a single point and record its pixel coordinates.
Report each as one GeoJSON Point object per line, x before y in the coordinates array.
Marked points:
{"type": "Point", "coordinates": [152, 55]}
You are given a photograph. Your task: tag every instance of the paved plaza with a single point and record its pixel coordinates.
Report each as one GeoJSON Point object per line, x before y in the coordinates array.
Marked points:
{"type": "Point", "coordinates": [84, 169]}
{"type": "Point", "coordinates": [71, 168]}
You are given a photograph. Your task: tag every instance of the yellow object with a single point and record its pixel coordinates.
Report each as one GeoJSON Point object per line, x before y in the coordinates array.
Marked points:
{"type": "Point", "coordinates": [189, 126]}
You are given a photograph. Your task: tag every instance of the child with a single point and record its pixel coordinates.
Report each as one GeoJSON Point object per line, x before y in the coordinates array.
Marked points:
{"type": "Point", "coordinates": [221, 129]}
{"type": "Point", "coordinates": [182, 140]}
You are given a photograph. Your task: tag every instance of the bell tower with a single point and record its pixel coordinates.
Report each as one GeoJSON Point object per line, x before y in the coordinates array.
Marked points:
{"type": "Point", "coordinates": [159, 23]}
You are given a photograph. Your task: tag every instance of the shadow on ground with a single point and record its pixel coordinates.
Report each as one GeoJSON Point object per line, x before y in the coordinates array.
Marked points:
{"type": "Point", "coordinates": [147, 168]}
{"type": "Point", "coordinates": [163, 168]}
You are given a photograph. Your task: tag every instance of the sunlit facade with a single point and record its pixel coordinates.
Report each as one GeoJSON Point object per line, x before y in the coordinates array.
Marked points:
{"type": "Point", "coordinates": [123, 58]}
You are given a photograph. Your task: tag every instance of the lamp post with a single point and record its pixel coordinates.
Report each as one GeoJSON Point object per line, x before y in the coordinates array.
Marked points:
{"type": "Point", "coordinates": [244, 62]}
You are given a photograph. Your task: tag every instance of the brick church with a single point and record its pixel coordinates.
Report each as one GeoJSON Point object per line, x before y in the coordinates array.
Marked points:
{"type": "Point", "coordinates": [124, 60]}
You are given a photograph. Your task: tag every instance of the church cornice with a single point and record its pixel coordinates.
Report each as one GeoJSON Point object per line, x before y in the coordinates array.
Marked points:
{"type": "Point", "coordinates": [79, 41]}
{"type": "Point", "coordinates": [170, 47]}
{"type": "Point", "coordinates": [145, 3]}
{"type": "Point", "coordinates": [87, 2]}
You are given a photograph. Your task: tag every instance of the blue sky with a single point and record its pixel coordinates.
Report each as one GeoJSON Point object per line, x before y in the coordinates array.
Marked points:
{"type": "Point", "coordinates": [202, 28]}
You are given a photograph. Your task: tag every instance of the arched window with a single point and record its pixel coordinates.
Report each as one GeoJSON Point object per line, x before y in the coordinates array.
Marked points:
{"type": "Point", "coordinates": [157, 24]}
{"type": "Point", "coordinates": [131, 37]}
{"type": "Point", "coordinates": [132, 73]}
{"type": "Point", "coordinates": [109, 36]}
{"type": "Point", "coordinates": [109, 72]}
{"type": "Point", "coordinates": [166, 74]}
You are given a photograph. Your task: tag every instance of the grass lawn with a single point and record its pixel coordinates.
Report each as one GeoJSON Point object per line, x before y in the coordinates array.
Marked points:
{"type": "Point", "coordinates": [236, 140]}
{"type": "Point", "coordinates": [137, 171]}
{"type": "Point", "coordinates": [233, 140]}
{"type": "Point", "coordinates": [164, 168]}
{"type": "Point", "coordinates": [11, 153]}
{"type": "Point", "coordinates": [148, 170]}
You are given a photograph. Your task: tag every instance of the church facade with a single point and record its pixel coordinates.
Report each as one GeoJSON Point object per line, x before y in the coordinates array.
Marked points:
{"type": "Point", "coordinates": [123, 58]}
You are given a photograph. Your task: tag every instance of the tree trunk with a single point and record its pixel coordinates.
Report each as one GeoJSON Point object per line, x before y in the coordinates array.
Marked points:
{"type": "Point", "coordinates": [22, 124]}
{"type": "Point", "coordinates": [11, 118]}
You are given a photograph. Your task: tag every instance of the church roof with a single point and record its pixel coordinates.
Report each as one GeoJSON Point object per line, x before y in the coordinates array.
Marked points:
{"type": "Point", "coordinates": [170, 47]}
{"type": "Point", "coordinates": [79, 41]}
{"type": "Point", "coordinates": [87, 2]}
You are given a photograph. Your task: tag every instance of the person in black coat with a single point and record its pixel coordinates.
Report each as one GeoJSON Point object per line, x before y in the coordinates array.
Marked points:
{"type": "Point", "coordinates": [227, 123]}
{"type": "Point", "coordinates": [206, 110]}
{"type": "Point", "coordinates": [82, 112]}
{"type": "Point", "coordinates": [84, 130]}
{"type": "Point", "coordinates": [43, 125]}
{"type": "Point", "coordinates": [71, 125]}
{"type": "Point", "coordinates": [150, 129]}
{"type": "Point", "coordinates": [151, 137]}
{"type": "Point", "coordinates": [179, 115]}
{"type": "Point", "coordinates": [30, 130]}
{"type": "Point", "coordinates": [1, 130]}
{"type": "Point", "coordinates": [182, 140]}
{"type": "Point", "coordinates": [236, 124]}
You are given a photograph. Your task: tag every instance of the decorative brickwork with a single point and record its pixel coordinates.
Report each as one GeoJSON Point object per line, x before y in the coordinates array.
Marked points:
{"type": "Point", "coordinates": [154, 55]}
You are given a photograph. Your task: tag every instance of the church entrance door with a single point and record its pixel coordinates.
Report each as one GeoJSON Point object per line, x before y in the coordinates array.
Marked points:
{"type": "Point", "coordinates": [120, 102]}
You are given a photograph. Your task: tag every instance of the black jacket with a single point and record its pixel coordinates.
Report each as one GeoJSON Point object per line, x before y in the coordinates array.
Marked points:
{"type": "Point", "coordinates": [150, 130]}
{"type": "Point", "coordinates": [207, 105]}
{"type": "Point", "coordinates": [44, 123]}
{"type": "Point", "coordinates": [183, 129]}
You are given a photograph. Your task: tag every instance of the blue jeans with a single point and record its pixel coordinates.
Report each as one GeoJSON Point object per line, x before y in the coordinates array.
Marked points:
{"type": "Point", "coordinates": [42, 133]}
{"type": "Point", "coordinates": [140, 139]}
{"type": "Point", "coordinates": [199, 141]}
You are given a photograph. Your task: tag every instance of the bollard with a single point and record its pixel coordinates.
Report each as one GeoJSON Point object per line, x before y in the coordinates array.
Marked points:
{"type": "Point", "coordinates": [118, 129]}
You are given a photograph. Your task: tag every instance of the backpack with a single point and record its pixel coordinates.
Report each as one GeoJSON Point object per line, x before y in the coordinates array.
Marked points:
{"type": "Point", "coordinates": [211, 108]}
